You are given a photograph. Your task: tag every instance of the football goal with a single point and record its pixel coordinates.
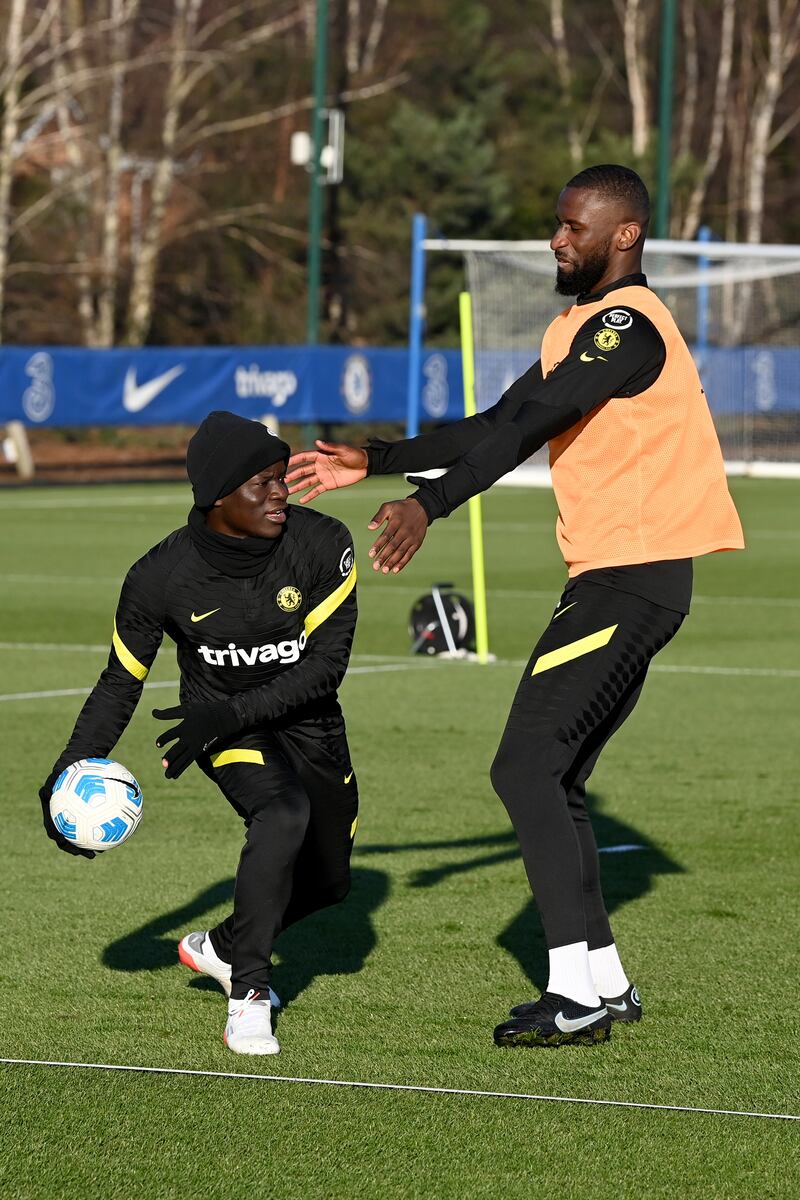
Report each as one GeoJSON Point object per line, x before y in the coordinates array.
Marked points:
{"type": "Point", "coordinates": [737, 305]}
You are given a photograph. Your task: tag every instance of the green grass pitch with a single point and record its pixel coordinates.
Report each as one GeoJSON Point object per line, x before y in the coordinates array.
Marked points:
{"type": "Point", "coordinates": [404, 983]}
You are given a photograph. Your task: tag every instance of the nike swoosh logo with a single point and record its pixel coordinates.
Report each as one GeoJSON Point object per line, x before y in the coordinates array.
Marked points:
{"type": "Point", "coordinates": [591, 357]}
{"type": "Point", "coordinates": [563, 610]}
{"type": "Point", "coordinates": [347, 778]}
{"type": "Point", "coordinates": [136, 396]}
{"type": "Point", "coordinates": [203, 616]}
{"type": "Point", "coordinates": [617, 1007]}
{"type": "Point", "coordinates": [568, 1025]}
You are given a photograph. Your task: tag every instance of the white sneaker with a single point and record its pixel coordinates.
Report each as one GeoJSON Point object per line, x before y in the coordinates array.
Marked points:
{"type": "Point", "coordinates": [249, 1029]}
{"type": "Point", "coordinates": [196, 952]}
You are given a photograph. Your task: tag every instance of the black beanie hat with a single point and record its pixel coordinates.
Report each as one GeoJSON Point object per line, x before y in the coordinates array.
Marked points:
{"type": "Point", "coordinates": [225, 452]}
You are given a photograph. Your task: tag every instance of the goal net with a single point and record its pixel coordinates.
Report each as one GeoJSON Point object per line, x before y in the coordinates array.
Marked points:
{"type": "Point", "coordinates": [738, 306]}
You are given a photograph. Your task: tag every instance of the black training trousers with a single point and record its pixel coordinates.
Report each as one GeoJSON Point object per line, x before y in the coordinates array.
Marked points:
{"type": "Point", "coordinates": [582, 681]}
{"type": "Point", "coordinates": [296, 790]}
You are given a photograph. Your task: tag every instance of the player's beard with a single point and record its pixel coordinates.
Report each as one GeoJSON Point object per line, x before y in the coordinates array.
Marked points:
{"type": "Point", "coordinates": [584, 278]}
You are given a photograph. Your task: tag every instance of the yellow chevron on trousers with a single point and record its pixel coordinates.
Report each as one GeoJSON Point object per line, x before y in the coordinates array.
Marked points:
{"type": "Point", "coordinates": [225, 757]}
{"type": "Point", "coordinates": [572, 650]}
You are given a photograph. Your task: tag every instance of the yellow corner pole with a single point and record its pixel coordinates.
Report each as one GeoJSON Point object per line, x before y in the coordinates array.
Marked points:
{"type": "Point", "coordinates": [474, 504]}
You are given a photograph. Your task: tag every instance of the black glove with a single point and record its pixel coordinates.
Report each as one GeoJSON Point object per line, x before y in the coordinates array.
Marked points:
{"type": "Point", "coordinates": [45, 792]}
{"type": "Point", "coordinates": [201, 726]}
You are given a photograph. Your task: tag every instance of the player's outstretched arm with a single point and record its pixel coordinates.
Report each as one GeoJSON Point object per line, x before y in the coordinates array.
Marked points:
{"type": "Point", "coordinates": [334, 464]}
{"type": "Point", "coordinates": [331, 465]}
{"type": "Point", "coordinates": [578, 385]}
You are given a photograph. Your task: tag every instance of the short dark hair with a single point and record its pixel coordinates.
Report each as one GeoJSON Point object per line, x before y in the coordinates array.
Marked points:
{"type": "Point", "coordinates": [616, 183]}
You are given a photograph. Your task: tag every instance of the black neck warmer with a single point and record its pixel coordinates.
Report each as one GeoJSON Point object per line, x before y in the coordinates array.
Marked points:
{"type": "Point", "coordinates": [241, 558]}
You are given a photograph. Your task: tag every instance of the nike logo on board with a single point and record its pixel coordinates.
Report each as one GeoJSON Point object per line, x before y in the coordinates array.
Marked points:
{"type": "Point", "coordinates": [572, 1025]}
{"type": "Point", "coordinates": [136, 396]}
{"type": "Point", "coordinates": [202, 616]}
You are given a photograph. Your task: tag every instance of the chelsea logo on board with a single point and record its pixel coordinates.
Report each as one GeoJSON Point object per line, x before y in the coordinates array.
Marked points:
{"type": "Point", "coordinates": [289, 598]}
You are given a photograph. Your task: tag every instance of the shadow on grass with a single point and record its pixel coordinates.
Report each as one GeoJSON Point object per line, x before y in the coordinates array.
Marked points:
{"type": "Point", "coordinates": [336, 941]}
{"type": "Point", "coordinates": [629, 863]}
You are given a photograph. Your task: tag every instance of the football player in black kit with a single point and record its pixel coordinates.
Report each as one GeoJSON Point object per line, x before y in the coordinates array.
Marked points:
{"type": "Point", "coordinates": [259, 598]}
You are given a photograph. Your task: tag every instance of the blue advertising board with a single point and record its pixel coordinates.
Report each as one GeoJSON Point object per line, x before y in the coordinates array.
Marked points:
{"type": "Point", "coordinates": [64, 386]}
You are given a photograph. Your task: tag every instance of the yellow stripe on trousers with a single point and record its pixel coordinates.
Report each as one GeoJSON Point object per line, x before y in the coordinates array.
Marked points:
{"type": "Point", "coordinates": [225, 757]}
{"type": "Point", "coordinates": [573, 650]}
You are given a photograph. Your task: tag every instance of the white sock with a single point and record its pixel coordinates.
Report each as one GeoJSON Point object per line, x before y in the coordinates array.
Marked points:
{"type": "Point", "coordinates": [208, 950]}
{"type": "Point", "coordinates": [571, 975]}
{"type": "Point", "coordinates": [607, 972]}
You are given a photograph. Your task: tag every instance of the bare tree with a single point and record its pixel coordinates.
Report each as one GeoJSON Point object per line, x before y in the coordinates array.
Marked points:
{"type": "Point", "coordinates": [122, 16]}
{"type": "Point", "coordinates": [140, 301]}
{"type": "Point", "coordinates": [360, 52]}
{"type": "Point", "coordinates": [564, 72]}
{"type": "Point", "coordinates": [353, 37]}
{"type": "Point", "coordinates": [716, 125]}
{"type": "Point", "coordinates": [374, 35]}
{"type": "Point", "coordinates": [13, 76]}
{"type": "Point", "coordinates": [783, 41]}
{"type": "Point", "coordinates": [633, 17]}
{"type": "Point", "coordinates": [691, 72]}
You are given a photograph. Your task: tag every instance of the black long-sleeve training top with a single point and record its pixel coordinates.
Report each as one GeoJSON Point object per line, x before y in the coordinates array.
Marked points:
{"type": "Point", "coordinates": [533, 410]}
{"type": "Point", "coordinates": [480, 450]}
{"type": "Point", "coordinates": [271, 643]}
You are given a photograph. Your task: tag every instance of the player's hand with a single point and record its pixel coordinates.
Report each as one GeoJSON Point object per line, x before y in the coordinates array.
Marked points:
{"type": "Point", "coordinates": [45, 792]}
{"type": "Point", "coordinates": [201, 725]}
{"type": "Point", "coordinates": [331, 465]}
{"type": "Point", "coordinates": [406, 525]}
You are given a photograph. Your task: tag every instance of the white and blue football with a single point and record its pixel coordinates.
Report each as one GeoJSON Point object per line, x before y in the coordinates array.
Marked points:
{"type": "Point", "coordinates": [96, 804]}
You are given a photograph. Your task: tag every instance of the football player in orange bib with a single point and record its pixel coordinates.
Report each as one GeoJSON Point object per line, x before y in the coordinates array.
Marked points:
{"type": "Point", "coordinates": [638, 475]}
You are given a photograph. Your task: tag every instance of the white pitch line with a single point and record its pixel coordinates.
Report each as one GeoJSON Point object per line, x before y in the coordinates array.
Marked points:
{"type": "Point", "coordinates": [68, 647]}
{"type": "Point", "coordinates": [98, 502]}
{"type": "Point", "coordinates": [104, 647]}
{"type": "Point", "coordinates": [766, 672]}
{"type": "Point", "coordinates": [430, 664]}
{"type": "Point", "coordinates": [679, 669]}
{"type": "Point", "coordinates": [515, 527]}
{"type": "Point", "coordinates": [400, 1087]}
{"type": "Point", "coordinates": [59, 647]}
{"type": "Point", "coordinates": [87, 580]}
{"type": "Point", "coordinates": [83, 691]}
{"type": "Point", "coordinates": [762, 672]}
{"type": "Point", "coordinates": [172, 683]}
{"type": "Point", "coordinates": [423, 664]}
{"type": "Point", "coordinates": [367, 582]}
